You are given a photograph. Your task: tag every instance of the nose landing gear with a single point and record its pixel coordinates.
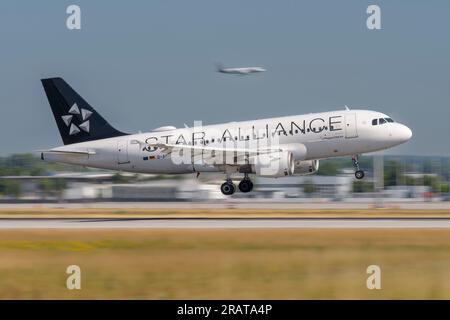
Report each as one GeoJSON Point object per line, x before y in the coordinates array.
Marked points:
{"type": "Point", "coordinates": [359, 174]}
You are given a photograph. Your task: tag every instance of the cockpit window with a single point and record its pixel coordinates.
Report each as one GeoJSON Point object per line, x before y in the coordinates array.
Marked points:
{"type": "Point", "coordinates": [381, 121]}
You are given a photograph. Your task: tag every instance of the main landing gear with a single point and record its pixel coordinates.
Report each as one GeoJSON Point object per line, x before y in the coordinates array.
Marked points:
{"type": "Point", "coordinates": [246, 185]}
{"type": "Point", "coordinates": [359, 174]}
{"type": "Point", "coordinates": [228, 187]}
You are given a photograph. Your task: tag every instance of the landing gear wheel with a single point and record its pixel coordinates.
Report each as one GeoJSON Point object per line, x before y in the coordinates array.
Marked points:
{"type": "Point", "coordinates": [227, 188]}
{"type": "Point", "coordinates": [359, 174]}
{"type": "Point", "coordinates": [245, 185]}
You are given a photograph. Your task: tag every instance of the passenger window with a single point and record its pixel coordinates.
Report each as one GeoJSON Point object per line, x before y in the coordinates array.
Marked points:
{"type": "Point", "coordinates": [374, 122]}
{"type": "Point", "coordinates": [382, 121]}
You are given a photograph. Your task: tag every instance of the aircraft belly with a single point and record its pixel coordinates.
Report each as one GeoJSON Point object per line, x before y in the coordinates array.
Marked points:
{"type": "Point", "coordinates": [155, 165]}
{"type": "Point", "coordinates": [103, 158]}
{"type": "Point", "coordinates": [332, 148]}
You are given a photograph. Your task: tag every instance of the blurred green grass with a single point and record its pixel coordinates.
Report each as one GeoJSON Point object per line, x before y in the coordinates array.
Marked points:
{"type": "Point", "coordinates": [225, 264]}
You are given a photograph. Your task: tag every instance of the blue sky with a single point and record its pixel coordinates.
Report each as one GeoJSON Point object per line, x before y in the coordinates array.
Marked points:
{"type": "Point", "coordinates": [144, 64]}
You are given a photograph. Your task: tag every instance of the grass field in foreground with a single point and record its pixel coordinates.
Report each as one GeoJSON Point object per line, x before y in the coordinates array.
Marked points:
{"type": "Point", "coordinates": [215, 264]}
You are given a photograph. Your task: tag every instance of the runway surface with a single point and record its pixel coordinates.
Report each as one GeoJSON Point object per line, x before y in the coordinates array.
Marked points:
{"type": "Point", "coordinates": [241, 204]}
{"type": "Point", "coordinates": [224, 223]}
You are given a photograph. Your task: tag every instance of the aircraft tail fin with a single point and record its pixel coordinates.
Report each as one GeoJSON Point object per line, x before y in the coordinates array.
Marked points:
{"type": "Point", "coordinates": [77, 121]}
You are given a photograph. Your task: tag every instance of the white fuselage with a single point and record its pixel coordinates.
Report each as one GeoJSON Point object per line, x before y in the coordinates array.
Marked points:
{"type": "Point", "coordinates": [242, 71]}
{"type": "Point", "coordinates": [325, 135]}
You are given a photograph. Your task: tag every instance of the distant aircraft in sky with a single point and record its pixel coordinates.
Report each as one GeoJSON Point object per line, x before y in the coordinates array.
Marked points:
{"type": "Point", "coordinates": [241, 71]}
{"type": "Point", "coordinates": [274, 147]}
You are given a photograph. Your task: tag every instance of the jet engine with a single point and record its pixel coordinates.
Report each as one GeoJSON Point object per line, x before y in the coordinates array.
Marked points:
{"type": "Point", "coordinates": [274, 165]}
{"type": "Point", "coordinates": [306, 167]}
{"type": "Point", "coordinates": [298, 150]}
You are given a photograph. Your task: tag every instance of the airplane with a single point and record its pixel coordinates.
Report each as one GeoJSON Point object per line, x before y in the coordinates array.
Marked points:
{"type": "Point", "coordinates": [273, 147]}
{"type": "Point", "coordinates": [240, 71]}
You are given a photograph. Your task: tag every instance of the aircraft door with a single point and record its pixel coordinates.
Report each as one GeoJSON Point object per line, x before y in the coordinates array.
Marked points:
{"type": "Point", "coordinates": [350, 126]}
{"type": "Point", "coordinates": [122, 152]}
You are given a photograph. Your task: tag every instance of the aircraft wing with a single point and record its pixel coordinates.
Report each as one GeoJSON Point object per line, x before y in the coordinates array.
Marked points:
{"type": "Point", "coordinates": [168, 148]}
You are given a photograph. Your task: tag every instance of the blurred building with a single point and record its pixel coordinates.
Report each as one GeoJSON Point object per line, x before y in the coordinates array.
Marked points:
{"type": "Point", "coordinates": [108, 186]}
{"type": "Point", "coordinates": [406, 191]}
{"type": "Point", "coordinates": [336, 187]}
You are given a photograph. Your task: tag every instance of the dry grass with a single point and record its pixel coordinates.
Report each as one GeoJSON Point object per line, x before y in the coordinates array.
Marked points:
{"type": "Point", "coordinates": [215, 264]}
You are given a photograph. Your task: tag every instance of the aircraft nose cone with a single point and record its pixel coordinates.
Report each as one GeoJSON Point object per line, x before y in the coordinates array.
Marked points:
{"type": "Point", "coordinates": [406, 133]}
{"type": "Point", "coordinates": [403, 133]}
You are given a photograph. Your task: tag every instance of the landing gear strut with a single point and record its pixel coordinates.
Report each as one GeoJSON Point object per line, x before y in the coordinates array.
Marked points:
{"type": "Point", "coordinates": [359, 174]}
{"type": "Point", "coordinates": [246, 185]}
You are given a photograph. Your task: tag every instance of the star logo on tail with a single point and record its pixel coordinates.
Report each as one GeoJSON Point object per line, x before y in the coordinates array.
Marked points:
{"type": "Point", "coordinates": [84, 114]}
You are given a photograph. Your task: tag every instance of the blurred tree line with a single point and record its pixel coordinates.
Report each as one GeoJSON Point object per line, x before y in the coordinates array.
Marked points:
{"type": "Point", "coordinates": [430, 175]}
{"type": "Point", "coordinates": [27, 164]}
{"type": "Point", "coordinates": [52, 187]}
{"type": "Point", "coordinates": [30, 165]}
{"type": "Point", "coordinates": [432, 172]}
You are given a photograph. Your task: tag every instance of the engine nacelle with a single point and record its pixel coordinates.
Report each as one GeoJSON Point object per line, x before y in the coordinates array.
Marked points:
{"type": "Point", "coordinates": [298, 150]}
{"type": "Point", "coordinates": [306, 167]}
{"type": "Point", "coordinates": [274, 165]}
